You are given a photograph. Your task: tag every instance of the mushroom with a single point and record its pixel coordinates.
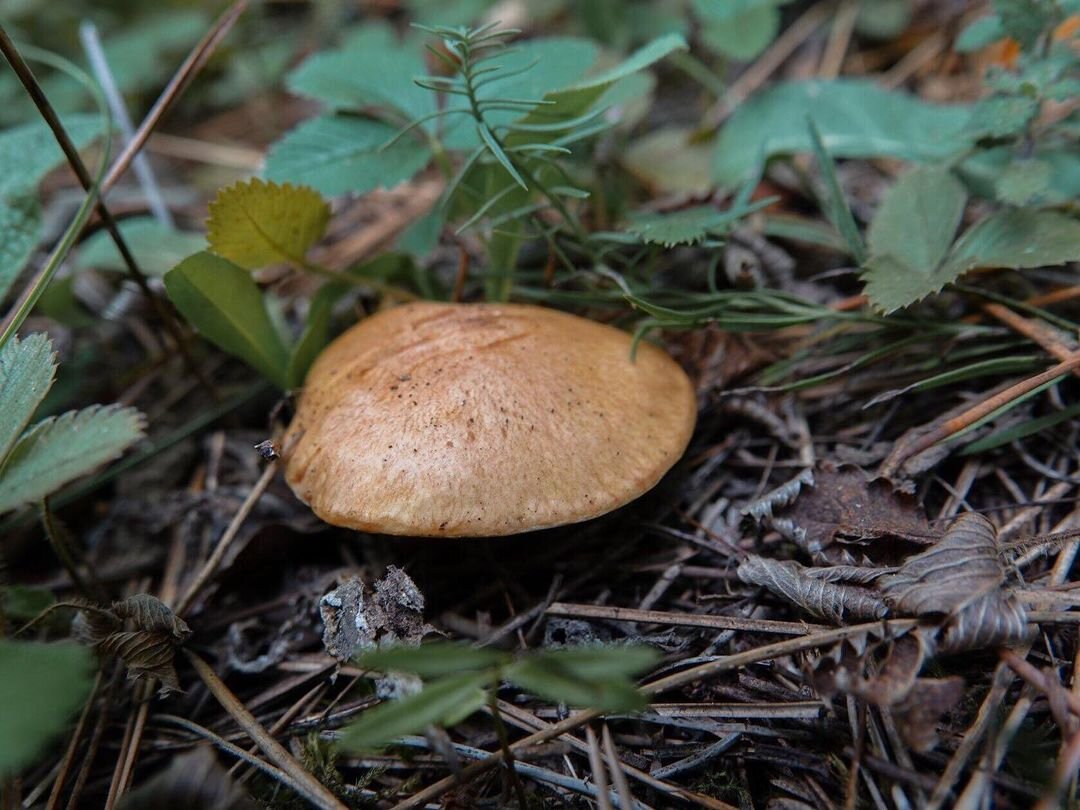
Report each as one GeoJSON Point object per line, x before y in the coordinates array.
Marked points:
{"type": "Point", "coordinates": [477, 420]}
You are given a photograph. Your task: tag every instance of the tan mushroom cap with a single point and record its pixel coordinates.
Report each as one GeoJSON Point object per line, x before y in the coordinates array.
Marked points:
{"type": "Point", "coordinates": [476, 420]}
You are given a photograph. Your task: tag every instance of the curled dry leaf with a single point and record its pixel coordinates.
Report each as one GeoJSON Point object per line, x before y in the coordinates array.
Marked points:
{"type": "Point", "coordinates": [826, 599]}
{"type": "Point", "coordinates": [148, 648]}
{"type": "Point", "coordinates": [839, 503]}
{"type": "Point", "coordinates": [192, 779]}
{"type": "Point", "coordinates": [918, 714]}
{"type": "Point", "coordinates": [960, 578]}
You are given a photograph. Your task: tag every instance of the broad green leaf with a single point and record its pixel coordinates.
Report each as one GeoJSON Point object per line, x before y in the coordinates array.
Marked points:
{"type": "Point", "coordinates": [41, 688]}
{"type": "Point", "coordinates": [29, 152]}
{"type": "Point", "coordinates": [223, 302]}
{"type": "Point", "coordinates": [316, 332]}
{"type": "Point", "coordinates": [372, 69]}
{"type": "Point", "coordinates": [918, 218]}
{"type": "Point", "coordinates": [740, 36]}
{"type": "Point", "coordinates": [856, 119]}
{"type": "Point", "coordinates": [256, 223]}
{"type": "Point", "coordinates": [554, 680]}
{"type": "Point", "coordinates": [340, 154]}
{"type": "Point", "coordinates": [20, 224]}
{"type": "Point", "coordinates": [983, 170]}
{"type": "Point", "coordinates": [23, 602]}
{"type": "Point", "coordinates": [1024, 20]}
{"type": "Point", "coordinates": [1016, 238]}
{"type": "Point", "coordinates": [604, 660]}
{"type": "Point", "coordinates": [433, 660]}
{"type": "Point", "coordinates": [1023, 181]}
{"type": "Point", "coordinates": [60, 449]}
{"type": "Point", "coordinates": [157, 248]}
{"type": "Point", "coordinates": [669, 160]}
{"type": "Point", "coordinates": [447, 698]}
{"type": "Point", "coordinates": [1001, 116]}
{"type": "Point", "coordinates": [836, 207]}
{"type": "Point", "coordinates": [979, 33]}
{"type": "Point", "coordinates": [27, 368]}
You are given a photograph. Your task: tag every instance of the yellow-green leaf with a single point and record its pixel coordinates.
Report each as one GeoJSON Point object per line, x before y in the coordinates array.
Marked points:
{"type": "Point", "coordinates": [256, 223]}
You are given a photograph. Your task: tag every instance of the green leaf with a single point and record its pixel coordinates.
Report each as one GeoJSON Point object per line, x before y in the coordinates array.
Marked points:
{"type": "Point", "coordinates": [1023, 181]}
{"type": "Point", "coordinates": [979, 33]}
{"type": "Point", "coordinates": [1023, 430]}
{"type": "Point", "coordinates": [1024, 20]}
{"type": "Point", "coordinates": [41, 687]}
{"type": "Point", "coordinates": [451, 697]}
{"type": "Point", "coordinates": [373, 69]}
{"type": "Point", "coordinates": [316, 332]}
{"type": "Point", "coordinates": [23, 603]}
{"type": "Point", "coordinates": [340, 154]}
{"type": "Point", "coordinates": [684, 227]}
{"type": "Point", "coordinates": [1016, 238]}
{"type": "Point", "coordinates": [256, 223]}
{"type": "Point", "coordinates": [604, 660]}
{"type": "Point", "coordinates": [883, 19]}
{"type": "Point", "coordinates": [223, 302]}
{"type": "Point", "coordinates": [836, 207]}
{"type": "Point", "coordinates": [29, 152]}
{"type": "Point", "coordinates": [1001, 116]}
{"type": "Point", "coordinates": [433, 660]}
{"type": "Point", "coordinates": [20, 224]}
{"type": "Point", "coordinates": [918, 218]}
{"type": "Point", "coordinates": [740, 36]}
{"type": "Point", "coordinates": [669, 160]}
{"type": "Point", "coordinates": [157, 248]}
{"type": "Point", "coordinates": [60, 449]}
{"type": "Point", "coordinates": [856, 118]}
{"type": "Point", "coordinates": [27, 369]}
{"type": "Point", "coordinates": [554, 680]}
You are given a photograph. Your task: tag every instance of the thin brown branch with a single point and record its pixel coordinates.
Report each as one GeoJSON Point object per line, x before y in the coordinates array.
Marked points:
{"type": "Point", "coordinates": [682, 619]}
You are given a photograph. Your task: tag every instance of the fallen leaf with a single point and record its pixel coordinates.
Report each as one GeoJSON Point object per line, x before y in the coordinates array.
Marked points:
{"type": "Point", "coordinates": [820, 597]}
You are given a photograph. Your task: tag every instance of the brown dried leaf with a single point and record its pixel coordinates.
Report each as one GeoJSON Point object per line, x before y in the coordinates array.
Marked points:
{"type": "Point", "coordinates": [993, 620]}
{"type": "Point", "coordinates": [840, 502]}
{"type": "Point", "coordinates": [957, 570]}
{"type": "Point", "coordinates": [860, 574]}
{"type": "Point", "coordinates": [863, 673]}
{"type": "Point", "coordinates": [193, 779]}
{"type": "Point", "coordinates": [151, 614]}
{"type": "Point", "coordinates": [834, 602]}
{"type": "Point", "coordinates": [918, 714]}
{"type": "Point", "coordinates": [145, 655]}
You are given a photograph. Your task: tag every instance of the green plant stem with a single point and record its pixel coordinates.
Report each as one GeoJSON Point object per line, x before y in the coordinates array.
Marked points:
{"type": "Point", "coordinates": [504, 744]}
{"type": "Point", "coordinates": [92, 187]}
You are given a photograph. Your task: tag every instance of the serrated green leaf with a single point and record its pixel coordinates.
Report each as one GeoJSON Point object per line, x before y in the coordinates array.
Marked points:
{"type": "Point", "coordinates": [432, 660]}
{"type": "Point", "coordinates": [340, 154]}
{"type": "Point", "coordinates": [316, 332]}
{"type": "Point", "coordinates": [373, 68]}
{"type": "Point", "coordinates": [984, 168]}
{"type": "Point", "coordinates": [256, 223]}
{"type": "Point", "coordinates": [1023, 181]}
{"type": "Point", "coordinates": [1001, 116]}
{"type": "Point", "coordinates": [223, 302]}
{"type": "Point", "coordinates": [20, 224]}
{"type": "Point", "coordinates": [979, 33]}
{"type": "Point", "coordinates": [836, 207]}
{"type": "Point", "coordinates": [918, 218]}
{"type": "Point", "coordinates": [452, 697]}
{"type": "Point", "coordinates": [686, 227]}
{"type": "Point", "coordinates": [60, 449]}
{"type": "Point", "coordinates": [741, 36]}
{"type": "Point", "coordinates": [552, 679]}
{"type": "Point", "coordinates": [1024, 20]}
{"type": "Point", "coordinates": [27, 369]}
{"type": "Point", "coordinates": [41, 687]}
{"type": "Point", "coordinates": [856, 119]}
{"type": "Point", "coordinates": [1016, 238]}
{"type": "Point", "coordinates": [157, 248]}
